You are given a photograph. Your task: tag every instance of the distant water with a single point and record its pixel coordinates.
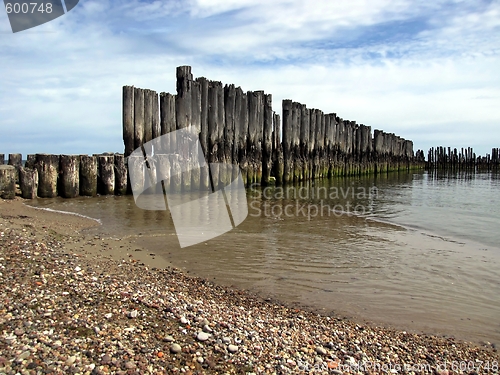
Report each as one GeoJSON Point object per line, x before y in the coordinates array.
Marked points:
{"type": "Point", "coordinates": [414, 251]}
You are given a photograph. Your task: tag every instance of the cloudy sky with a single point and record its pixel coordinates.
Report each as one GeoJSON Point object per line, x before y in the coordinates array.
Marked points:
{"type": "Point", "coordinates": [425, 70]}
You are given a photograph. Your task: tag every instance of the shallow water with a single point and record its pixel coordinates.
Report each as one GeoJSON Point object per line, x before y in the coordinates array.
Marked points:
{"type": "Point", "coordinates": [414, 251]}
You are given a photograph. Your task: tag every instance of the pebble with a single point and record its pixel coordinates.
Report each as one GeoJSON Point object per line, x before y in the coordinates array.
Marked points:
{"type": "Point", "coordinates": [133, 314]}
{"type": "Point", "coordinates": [175, 348]}
{"type": "Point", "coordinates": [320, 350]}
{"type": "Point", "coordinates": [23, 356]}
{"type": "Point", "coordinates": [232, 348]}
{"type": "Point", "coordinates": [10, 339]}
{"type": "Point", "coordinates": [130, 365]}
{"type": "Point", "coordinates": [202, 336]}
{"type": "Point", "coordinates": [207, 329]}
{"type": "Point", "coordinates": [70, 361]}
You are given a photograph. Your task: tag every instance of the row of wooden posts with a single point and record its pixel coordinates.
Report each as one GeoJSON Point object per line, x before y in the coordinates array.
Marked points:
{"type": "Point", "coordinates": [463, 159]}
{"type": "Point", "coordinates": [233, 127]}
{"type": "Point", "coordinates": [241, 128]}
{"type": "Point", "coordinates": [68, 176]}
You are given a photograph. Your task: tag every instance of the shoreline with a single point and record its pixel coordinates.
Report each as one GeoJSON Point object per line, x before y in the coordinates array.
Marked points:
{"type": "Point", "coordinates": [59, 287]}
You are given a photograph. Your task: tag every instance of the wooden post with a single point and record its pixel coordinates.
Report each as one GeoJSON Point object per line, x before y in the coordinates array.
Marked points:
{"type": "Point", "coordinates": [196, 105]}
{"type": "Point", "coordinates": [366, 149]}
{"type": "Point", "coordinates": [229, 117]}
{"type": "Point", "coordinates": [259, 134]}
{"type": "Point", "coordinates": [88, 175]}
{"type": "Point", "coordinates": [183, 115]}
{"type": "Point", "coordinates": [30, 161]}
{"type": "Point", "coordinates": [128, 119]}
{"type": "Point", "coordinates": [120, 175]}
{"type": "Point", "coordinates": [7, 181]}
{"type": "Point", "coordinates": [223, 177]}
{"type": "Point", "coordinates": [330, 140]}
{"type": "Point", "coordinates": [203, 83]}
{"type": "Point", "coordinates": [229, 131]}
{"type": "Point", "coordinates": [204, 173]}
{"type": "Point", "coordinates": [28, 182]}
{"type": "Point", "coordinates": [48, 171]}
{"type": "Point", "coordinates": [277, 150]}
{"type": "Point", "coordinates": [325, 124]}
{"type": "Point", "coordinates": [287, 141]}
{"type": "Point", "coordinates": [337, 146]}
{"type": "Point", "coordinates": [378, 143]}
{"type": "Point", "coordinates": [184, 97]}
{"type": "Point", "coordinates": [304, 141]}
{"type": "Point", "coordinates": [294, 149]}
{"type": "Point", "coordinates": [267, 148]}
{"type": "Point", "coordinates": [318, 117]}
{"type": "Point", "coordinates": [213, 131]}
{"type": "Point", "coordinates": [356, 149]}
{"type": "Point", "coordinates": [167, 113]}
{"type": "Point", "coordinates": [156, 128]}
{"type": "Point", "coordinates": [69, 182]}
{"type": "Point", "coordinates": [312, 142]}
{"type": "Point", "coordinates": [349, 127]}
{"type": "Point", "coordinates": [2, 159]}
{"type": "Point", "coordinates": [148, 120]}
{"type": "Point", "coordinates": [320, 127]}
{"type": "Point", "coordinates": [167, 119]}
{"type": "Point", "coordinates": [106, 175]}
{"type": "Point", "coordinates": [241, 132]}
{"type": "Point", "coordinates": [16, 160]}
{"type": "Point", "coordinates": [138, 118]}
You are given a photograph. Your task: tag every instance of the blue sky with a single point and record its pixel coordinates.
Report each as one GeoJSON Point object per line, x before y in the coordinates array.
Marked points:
{"type": "Point", "coordinates": [427, 71]}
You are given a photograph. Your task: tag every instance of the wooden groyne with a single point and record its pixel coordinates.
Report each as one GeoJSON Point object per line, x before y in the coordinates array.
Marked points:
{"type": "Point", "coordinates": [238, 127]}
{"type": "Point", "coordinates": [233, 127]}
{"type": "Point", "coordinates": [463, 159]}
{"type": "Point", "coordinates": [67, 176]}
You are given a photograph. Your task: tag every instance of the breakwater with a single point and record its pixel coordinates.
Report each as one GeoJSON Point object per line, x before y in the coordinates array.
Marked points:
{"type": "Point", "coordinates": [238, 127]}
{"type": "Point", "coordinates": [67, 176]}
{"type": "Point", "coordinates": [233, 127]}
{"type": "Point", "coordinates": [464, 159]}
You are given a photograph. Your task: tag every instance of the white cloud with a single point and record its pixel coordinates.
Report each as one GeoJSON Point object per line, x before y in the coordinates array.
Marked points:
{"type": "Point", "coordinates": [63, 82]}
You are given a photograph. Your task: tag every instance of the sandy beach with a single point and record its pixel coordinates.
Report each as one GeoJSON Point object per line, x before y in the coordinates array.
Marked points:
{"type": "Point", "coordinates": [81, 304]}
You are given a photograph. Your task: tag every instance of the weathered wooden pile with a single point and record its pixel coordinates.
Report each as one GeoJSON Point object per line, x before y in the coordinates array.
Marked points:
{"type": "Point", "coordinates": [446, 158]}
{"type": "Point", "coordinates": [238, 127]}
{"type": "Point", "coordinates": [68, 176]}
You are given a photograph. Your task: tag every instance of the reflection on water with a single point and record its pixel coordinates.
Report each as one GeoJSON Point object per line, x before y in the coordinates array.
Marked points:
{"type": "Point", "coordinates": [416, 251]}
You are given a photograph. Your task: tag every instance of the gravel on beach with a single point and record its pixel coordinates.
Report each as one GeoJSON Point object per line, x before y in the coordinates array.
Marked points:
{"type": "Point", "coordinates": [68, 312]}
